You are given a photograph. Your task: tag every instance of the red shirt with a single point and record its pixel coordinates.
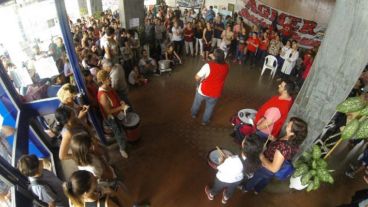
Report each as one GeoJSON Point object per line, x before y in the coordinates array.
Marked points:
{"type": "Point", "coordinates": [188, 35]}
{"type": "Point", "coordinates": [283, 146]}
{"type": "Point", "coordinates": [252, 41]}
{"type": "Point", "coordinates": [284, 107]}
{"type": "Point", "coordinates": [113, 99]}
{"type": "Point", "coordinates": [212, 86]}
{"type": "Point", "coordinates": [264, 44]}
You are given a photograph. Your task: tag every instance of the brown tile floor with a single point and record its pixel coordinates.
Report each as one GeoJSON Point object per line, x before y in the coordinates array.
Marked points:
{"type": "Point", "coordinates": [168, 166]}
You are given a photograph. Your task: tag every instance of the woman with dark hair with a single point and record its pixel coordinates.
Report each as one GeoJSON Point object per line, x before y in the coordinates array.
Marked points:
{"type": "Point", "coordinates": [82, 190]}
{"type": "Point", "coordinates": [68, 125]}
{"type": "Point", "coordinates": [87, 158]}
{"type": "Point", "coordinates": [211, 80]}
{"type": "Point", "coordinates": [278, 152]}
{"type": "Point", "coordinates": [234, 168]}
{"type": "Point", "coordinates": [207, 40]}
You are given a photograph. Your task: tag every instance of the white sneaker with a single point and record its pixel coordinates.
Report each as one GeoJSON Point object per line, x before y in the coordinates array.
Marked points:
{"type": "Point", "coordinates": [123, 153]}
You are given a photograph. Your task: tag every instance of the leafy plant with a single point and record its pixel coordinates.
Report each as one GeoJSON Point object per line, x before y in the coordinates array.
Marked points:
{"type": "Point", "coordinates": [357, 126]}
{"type": "Point", "coordinates": [313, 169]}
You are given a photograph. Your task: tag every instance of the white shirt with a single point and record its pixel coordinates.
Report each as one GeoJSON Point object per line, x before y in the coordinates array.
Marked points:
{"type": "Point", "coordinates": [131, 77]}
{"type": "Point", "coordinates": [204, 72]}
{"type": "Point", "coordinates": [231, 170]}
{"type": "Point", "coordinates": [177, 34]}
{"type": "Point", "coordinates": [284, 51]}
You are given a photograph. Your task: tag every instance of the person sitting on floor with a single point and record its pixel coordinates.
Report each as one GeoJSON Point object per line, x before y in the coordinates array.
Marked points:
{"type": "Point", "coordinates": [147, 65]}
{"type": "Point", "coordinates": [135, 78]}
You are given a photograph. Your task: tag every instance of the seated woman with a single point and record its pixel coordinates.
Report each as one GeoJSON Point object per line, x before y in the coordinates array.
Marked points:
{"type": "Point", "coordinates": [87, 158]}
{"type": "Point", "coordinates": [135, 78]}
{"type": "Point", "coordinates": [112, 109]}
{"type": "Point", "coordinates": [172, 56]}
{"type": "Point", "coordinates": [82, 190]}
{"type": "Point", "coordinates": [231, 170]}
{"type": "Point", "coordinates": [277, 153]}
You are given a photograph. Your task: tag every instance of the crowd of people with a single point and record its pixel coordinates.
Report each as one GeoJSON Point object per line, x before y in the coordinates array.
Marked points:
{"type": "Point", "coordinates": [113, 59]}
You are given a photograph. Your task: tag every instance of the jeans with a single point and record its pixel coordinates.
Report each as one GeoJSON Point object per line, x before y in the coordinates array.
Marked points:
{"type": "Point", "coordinates": [251, 57]}
{"type": "Point", "coordinates": [259, 181]}
{"type": "Point", "coordinates": [218, 186]}
{"type": "Point", "coordinates": [210, 105]}
{"type": "Point", "coordinates": [117, 130]}
{"type": "Point", "coordinates": [240, 52]}
{"type": "Point", "coordinates": [189, 47]}
{"type": "Point", "coordinates": [199, 46]}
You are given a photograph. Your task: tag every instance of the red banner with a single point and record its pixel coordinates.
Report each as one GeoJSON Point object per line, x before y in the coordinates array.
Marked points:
{"type": "Point", "coordinates": [307, 33]}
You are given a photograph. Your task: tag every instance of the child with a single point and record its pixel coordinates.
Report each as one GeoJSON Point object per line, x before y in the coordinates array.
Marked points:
{"type": "Point", "coordinates": [135, 78]}
{"type": "Point", "coordinates": [360, 165]}
{"type": "Point", "coordinates": [234, 168]}
{"type": "Point", "coordinates": [44, 183]}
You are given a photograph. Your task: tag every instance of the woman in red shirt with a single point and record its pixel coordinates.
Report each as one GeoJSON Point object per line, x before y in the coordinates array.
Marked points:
{"type": "Point", "coordinates": [262, 50]}
{"type": "Point", "coordinates": [252, 46]}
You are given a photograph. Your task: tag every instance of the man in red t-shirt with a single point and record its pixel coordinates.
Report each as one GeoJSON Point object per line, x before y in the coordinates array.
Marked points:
{"type": "Point", "coordinates": [271, 115]}
{"type": "Point", "coordinates": [211, 80]}
{"type": "Point", "coordinates": [252, 46]}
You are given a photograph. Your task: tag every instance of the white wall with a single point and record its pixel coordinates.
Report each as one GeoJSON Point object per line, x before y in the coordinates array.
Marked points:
{"type": "Point", "coordinates": [239, 4]}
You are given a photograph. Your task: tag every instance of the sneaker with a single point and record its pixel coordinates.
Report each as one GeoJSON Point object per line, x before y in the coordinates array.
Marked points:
{"type": "Point", "coordinates": [194, 116]}
{"type": "Point", "coordinates": [224, 198]}
{"type": "Point", "coordinates": [240, 62]}
{"type": "Point", "coordinates": [349, 174]}
{"type": "Point", "coordinates": [204, 123]}
{"type": "Point", "coordinates": [207, 191]}
{"type": "Point", "coordinates": [123, 153]}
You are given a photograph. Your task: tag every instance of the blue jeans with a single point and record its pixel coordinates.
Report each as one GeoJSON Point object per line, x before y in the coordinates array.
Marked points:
{"type": "Point", "coordinates": [259, 181]}
{"type": "Point", "coordinates": [210, 104]}
{"type": "Point", "coordinates": [117, 130]}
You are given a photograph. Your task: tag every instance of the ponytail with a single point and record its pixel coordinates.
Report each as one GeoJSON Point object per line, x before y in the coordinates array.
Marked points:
{"type": "Point", "coordinates": [79, 183]}
{"type": "Point", "coordinates": [68, 191]}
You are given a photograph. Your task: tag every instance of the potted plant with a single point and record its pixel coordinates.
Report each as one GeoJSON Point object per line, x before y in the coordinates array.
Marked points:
{"type": "Point", "coordinates": [310, 171]}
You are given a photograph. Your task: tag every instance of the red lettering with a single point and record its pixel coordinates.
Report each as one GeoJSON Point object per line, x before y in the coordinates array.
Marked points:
{"type": "Point", "coordinates": [294, 22]}
{"type": "Point", "coordinates": [308, 27]}
{"type": "Point", "coordinates": [264, 11]}
{"type": "Point", "coordinates": [281, 19]}
{"type": "Point", "coordinates": [273, 15]}
{"type": "Point", "coordinates": [252, 5]}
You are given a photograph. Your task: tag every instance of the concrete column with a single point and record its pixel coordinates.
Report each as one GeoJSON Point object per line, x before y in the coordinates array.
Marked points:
{"type": "Point", "coordinates": [94, 6]}
{"type": "Point", "coordinates": [339, 63]}
{"type": "Point", "coordinates": [131, 9]}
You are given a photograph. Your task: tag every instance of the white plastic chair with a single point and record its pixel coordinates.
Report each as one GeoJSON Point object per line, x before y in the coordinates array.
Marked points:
{"type": "Point", "coordinates": [271, 64]}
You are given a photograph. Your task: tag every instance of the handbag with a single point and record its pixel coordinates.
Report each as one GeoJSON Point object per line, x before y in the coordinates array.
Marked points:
{"type": "Point", "coordinates": [286, 170]}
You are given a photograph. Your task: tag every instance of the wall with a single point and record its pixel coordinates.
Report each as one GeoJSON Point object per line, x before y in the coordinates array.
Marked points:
{"type": "Point", "coordinates": [315, 10]}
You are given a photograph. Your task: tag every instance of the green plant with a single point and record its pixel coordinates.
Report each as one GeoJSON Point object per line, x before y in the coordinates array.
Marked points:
{"type": "Point", "coordinates": [83, 11]}
{"type": "Point", "coordinates": [312, 169]}
{"type": "Point", "coordinates": [356, 109]}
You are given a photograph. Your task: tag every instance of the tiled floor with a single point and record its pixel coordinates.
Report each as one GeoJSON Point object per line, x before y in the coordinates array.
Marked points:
{"type": "Point", "coordinates": [168, 166]}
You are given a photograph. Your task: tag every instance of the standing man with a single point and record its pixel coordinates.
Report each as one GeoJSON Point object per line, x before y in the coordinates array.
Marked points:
{"type": "Point", "coordinates": [118, 80]}
{"type": "Point", "coordinates": [211, 80]}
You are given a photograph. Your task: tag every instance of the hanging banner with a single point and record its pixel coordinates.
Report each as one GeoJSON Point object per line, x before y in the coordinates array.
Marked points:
{"type": "Point", "coordinates": [190, 3]}
{"type": "Point", "coordinates": [307, 33]}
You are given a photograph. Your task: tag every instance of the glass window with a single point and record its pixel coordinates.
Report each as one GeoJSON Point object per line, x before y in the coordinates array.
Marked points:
{"type": "Point", "coordinates": [32, 49]}
{"type": "Point", "coordinates": [8, 116]}
{"type": "Point", "coordinates": [5, 193]}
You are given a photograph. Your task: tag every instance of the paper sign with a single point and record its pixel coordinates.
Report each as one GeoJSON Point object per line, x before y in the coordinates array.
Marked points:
{"type": "Point", "coordinates": [134, 22]}
{"type": "Point", "coordinates": [46, 68]}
